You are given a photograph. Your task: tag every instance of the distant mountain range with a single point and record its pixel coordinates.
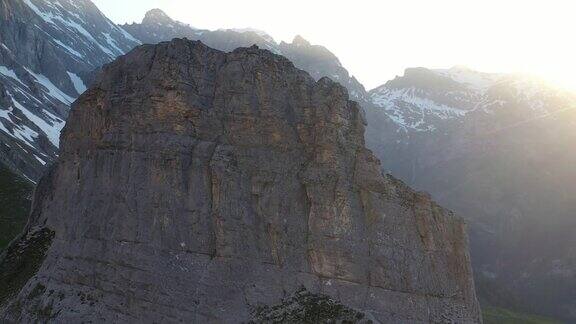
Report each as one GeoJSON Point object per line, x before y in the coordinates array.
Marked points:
{"type": "Point", "coordinates": [497, 149]}
{"type": "Point", "coordinates": [50, 50]}
{"type": "Point", "coordinates": [314, 59]}
{"type": "Point", "coordinates": [425, 100]}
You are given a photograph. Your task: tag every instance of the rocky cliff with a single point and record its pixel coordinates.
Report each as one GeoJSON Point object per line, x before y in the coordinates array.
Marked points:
{"type": "Point", "coordinates": [494, 148]}
{"type": "Point", "coordinates": [201, 186]}
{"type": "Point", "coordinates": [317, 60]}
{"type": "Point", "coordinates": [47, 48]}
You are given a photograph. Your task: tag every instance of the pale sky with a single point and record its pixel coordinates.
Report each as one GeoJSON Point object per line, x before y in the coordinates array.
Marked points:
{"type": "Point", "coordinates": [377, 40]}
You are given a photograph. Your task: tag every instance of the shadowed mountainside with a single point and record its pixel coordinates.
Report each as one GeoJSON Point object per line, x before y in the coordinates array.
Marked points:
{"type": "Point", "coordinates": [198, 185]}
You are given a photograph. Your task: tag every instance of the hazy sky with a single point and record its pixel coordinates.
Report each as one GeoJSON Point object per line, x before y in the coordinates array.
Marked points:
{"type": "Point", "coordinates": [376, 40]}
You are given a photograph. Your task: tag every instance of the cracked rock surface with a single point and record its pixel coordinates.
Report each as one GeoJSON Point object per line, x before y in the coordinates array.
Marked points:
{"type": "Point", "coordinates": [201, 186]}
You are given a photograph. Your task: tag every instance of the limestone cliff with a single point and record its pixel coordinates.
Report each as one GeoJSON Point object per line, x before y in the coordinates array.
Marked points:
{"type": "Point", "coordinates": [201, 186]}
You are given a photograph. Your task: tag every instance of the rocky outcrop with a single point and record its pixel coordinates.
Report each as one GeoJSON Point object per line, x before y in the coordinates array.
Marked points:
{"type": "Point", "coordinates": [315, 59]}
{"type": "Point", "coordinates": [201, 186]}
{"type": "Point", "coordinates": [157, 27]}
{"type": "Point", "coordinates": [493, 148]}
{"type": "Point", "coordinates": [47, 47]}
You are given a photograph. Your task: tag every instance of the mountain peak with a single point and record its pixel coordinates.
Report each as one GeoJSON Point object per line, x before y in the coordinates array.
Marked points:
{"type": "Point", "coordinates": [254, 167]}
{"type": "Point", "coordinates": [472, 79]}
{"type": "Point", "coordinates": [300, 41]}
{"type": "Point", "coordinates": [461, 68]}
{"type": "Point", "coordinates": [156, 16]}
{"type": "Point", "coordinates": [258, 32]}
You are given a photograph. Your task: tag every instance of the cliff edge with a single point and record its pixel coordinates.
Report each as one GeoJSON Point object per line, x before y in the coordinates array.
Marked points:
{"type": "Point", "coordinates": [200, 186]}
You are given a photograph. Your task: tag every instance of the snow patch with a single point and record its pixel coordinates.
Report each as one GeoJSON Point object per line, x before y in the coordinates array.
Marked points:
{"type": "Point", "coordinates": [126, 34]}
{"type": "Point", "coordinates": [37, 11]}
{"type": "Point", "coordinates": [10, 73]}
{"type": "Point", "coordinates": [409, 110]}
{"type": "Point", "coordinates": [474, 80]}
{"type": "Point", "coordinates": [39, 159]}
{"type": "Point", "coordinates": [51, 131]}
{"type": "Point", "coordinates": [53, 90]}
{"type": "Point", "coordinates": [77, 82]}
{"type": "Point", "coordinates": [112, 43]}
{"type": "Point", "coordinates": [71, 25]}
{"type": "Point", "coordinates": [21, 132]}
{"type": "Point", "coordinates": [68, 48]}
{"type": "Point", "coordinates": [89, 36]}
{"type": "Point", "coordinates": [4, 115]}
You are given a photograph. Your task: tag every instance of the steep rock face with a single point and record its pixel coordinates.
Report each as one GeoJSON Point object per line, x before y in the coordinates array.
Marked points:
{"type": "Point", "coordinates": [496, 149]}
{"type": "Point", "coordinates": [315, 59]}
{"type": "Point", "coordinates": [201, 186]}
{"type": "Point", "coordinates": [46, 49]}
{"type": "Point", "coordinates": [157, 27]}
{"type": "Point", "coordinates": [320, 62]}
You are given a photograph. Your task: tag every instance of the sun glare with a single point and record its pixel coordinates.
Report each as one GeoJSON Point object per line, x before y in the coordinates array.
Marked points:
{"type": "Point", "coordinates": [377, 40]}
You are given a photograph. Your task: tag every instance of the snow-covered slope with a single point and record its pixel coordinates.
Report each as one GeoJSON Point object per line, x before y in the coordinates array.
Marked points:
{"type": "Point", "coordinates": [474, 80]}
{"type": "Point", "coordinates": [498, 150]}
{"type": "Point", "coordinates": [425, 99]}
{"type": "Point", "coordinates": [47, 47]}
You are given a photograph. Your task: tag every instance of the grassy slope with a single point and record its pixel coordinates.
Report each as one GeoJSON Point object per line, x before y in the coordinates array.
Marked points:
{"type": "Point", "coordinates": [494, 315]}
{"type": "Point", "coordinates": [15, 194]}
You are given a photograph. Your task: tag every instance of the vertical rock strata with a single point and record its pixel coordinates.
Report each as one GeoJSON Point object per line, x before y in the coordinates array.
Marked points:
{"type": "Point", "coordinates": [201, 186]}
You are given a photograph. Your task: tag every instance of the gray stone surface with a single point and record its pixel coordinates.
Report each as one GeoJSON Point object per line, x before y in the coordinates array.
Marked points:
{"type": "Point", "coordinates": [197, 186]}
{"type": "Point", "coordinates": [47, 47]}
{"type": "Point", "coordinates": [503, 162]}
{"type": "Point", "coordinates": [315, 59]}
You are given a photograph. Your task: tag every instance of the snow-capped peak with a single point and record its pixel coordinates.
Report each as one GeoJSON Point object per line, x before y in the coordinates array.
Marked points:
{"type": "Point", "coordinates": [422, 99]}
{"type": "Point", "coordinates": [472, 79]}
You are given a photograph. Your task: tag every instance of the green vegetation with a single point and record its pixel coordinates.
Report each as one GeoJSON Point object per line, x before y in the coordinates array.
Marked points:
{"type": "Point", "coordinates": [495, 315]}
{"type": "Point", "coordinates": [15, 196]}
{"type": "Point", "coordinates": [305, 307]}
{"type": "Point", "coordinates": [22, 261]}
